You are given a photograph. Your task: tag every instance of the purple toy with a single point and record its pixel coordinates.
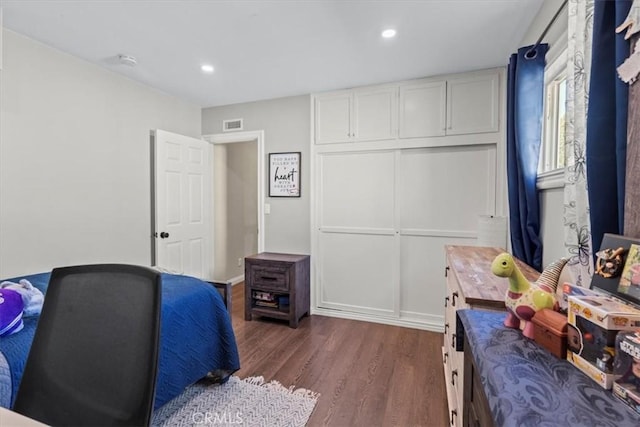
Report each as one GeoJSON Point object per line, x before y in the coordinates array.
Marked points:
{"type": "Point", "coordinates": [11, 308]}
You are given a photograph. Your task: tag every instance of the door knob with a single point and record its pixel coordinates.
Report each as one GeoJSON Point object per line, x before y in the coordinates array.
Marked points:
{"type": "Point", "coordinates": [164, 235]}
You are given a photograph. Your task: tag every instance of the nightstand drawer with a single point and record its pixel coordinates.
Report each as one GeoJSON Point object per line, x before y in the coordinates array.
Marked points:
{"type": "Point", "coordinates": [270, 277]}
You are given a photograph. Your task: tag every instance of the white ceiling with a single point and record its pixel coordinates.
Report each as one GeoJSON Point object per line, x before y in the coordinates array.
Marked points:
{"type": "Point", "coordinates": [273, 48]}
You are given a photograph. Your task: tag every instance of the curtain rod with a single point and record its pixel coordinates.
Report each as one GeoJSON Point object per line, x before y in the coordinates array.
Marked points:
{"type": "Point", "coordinates": [529, 54]}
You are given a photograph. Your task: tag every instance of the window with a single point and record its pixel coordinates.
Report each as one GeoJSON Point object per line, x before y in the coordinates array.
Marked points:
{"type": "Point", "coordinates": [552, 152]}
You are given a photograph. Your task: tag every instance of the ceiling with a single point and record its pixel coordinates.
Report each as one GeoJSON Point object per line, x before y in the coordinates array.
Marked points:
{"type": "Point", "coordinates": [265, 49]}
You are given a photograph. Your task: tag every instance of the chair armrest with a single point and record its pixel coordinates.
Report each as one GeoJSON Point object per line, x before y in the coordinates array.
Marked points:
{"type": "Point", "coordinates": [225, 290]}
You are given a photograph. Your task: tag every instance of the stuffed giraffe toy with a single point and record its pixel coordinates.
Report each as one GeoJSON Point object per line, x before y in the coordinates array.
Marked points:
{"type": "Point", "coordinates": [524, 298]}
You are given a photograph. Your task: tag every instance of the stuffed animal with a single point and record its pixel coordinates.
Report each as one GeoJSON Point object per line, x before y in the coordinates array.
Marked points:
{"type": "Point", "coordinates": [32, 297]}
{"type": "Point", "coordinates": [11, 307]}
{"type": "Point", "coordinates": [523, 298]}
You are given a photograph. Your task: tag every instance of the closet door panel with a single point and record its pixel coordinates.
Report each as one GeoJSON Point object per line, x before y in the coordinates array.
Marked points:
{"type": "Point", "coordinates": [357, 190]}
{"type": "Point", "coordinates": [356, 272]}
{"type": "Point", "coordinates": [422, 263]}
{"type": "Point", "coordinates": [443, 190]}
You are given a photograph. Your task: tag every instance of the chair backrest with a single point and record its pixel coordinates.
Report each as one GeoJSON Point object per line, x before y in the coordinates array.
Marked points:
{"type": "Point", "coordinates": [94, 355]}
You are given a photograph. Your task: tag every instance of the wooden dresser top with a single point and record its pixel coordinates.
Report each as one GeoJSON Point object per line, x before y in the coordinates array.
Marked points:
{"type": "Point", "coordinates": [471, 266]}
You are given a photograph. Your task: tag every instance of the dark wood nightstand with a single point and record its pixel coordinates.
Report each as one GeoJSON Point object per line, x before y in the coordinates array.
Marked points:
{"type": "Point", "coordinates": [277, 286]}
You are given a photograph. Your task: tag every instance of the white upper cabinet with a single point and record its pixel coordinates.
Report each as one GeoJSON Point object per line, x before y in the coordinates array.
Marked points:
{"type": "Point", "coordinates": [472, 104]}
{"type": "Point", "coordinates": [357, 115]}
{"type": "Point", "coordinates": [450, 105]}
{"type": "Point", "coordinates": [422, 109]}
{"type": "Point", "coordinates": [333, 117]}
{"type": "Point", "coordinates": [375, 113]}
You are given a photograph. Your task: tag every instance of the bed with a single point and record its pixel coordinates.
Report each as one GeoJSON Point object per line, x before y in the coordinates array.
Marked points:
{"type": "Point", "coordinates": [196, 338]}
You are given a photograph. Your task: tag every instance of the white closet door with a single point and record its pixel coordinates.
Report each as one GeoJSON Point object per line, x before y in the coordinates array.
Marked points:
{"type": "Point", "coordinates": [357, 237]}
{"type": "Point", "coordinates": [441, 192]}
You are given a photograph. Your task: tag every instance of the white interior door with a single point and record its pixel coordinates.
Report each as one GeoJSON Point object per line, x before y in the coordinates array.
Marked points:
{"type": "Point", "coordinates": [182, 198]}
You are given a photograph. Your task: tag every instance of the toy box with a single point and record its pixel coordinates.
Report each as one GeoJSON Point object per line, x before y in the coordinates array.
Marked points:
{"type": "Point", "coordinates": [550, 331]}
{"type": "Point", "coordinates": [627, 367]}
{"type": "Point", "coordinates": [594, 322]}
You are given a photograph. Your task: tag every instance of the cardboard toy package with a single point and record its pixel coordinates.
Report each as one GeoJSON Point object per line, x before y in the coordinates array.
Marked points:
{"type": "Point", "coordinates": [627, 367]}
{"type": "Point", "coordinates": [594, 322]}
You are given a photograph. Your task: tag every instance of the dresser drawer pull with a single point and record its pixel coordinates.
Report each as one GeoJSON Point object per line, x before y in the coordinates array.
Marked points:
{"type": "Point", "coordinates": [446, 271]}
{"type": "Point", "coordinates": [453, 298]}
{"type": "Point", "coordinates": [446, 301]}
{"type": "Point", "coordinates": [444, 357]}
{"type": "Point", "coordinates": [268, 278]}
{"type": "Point", "coordinates": [454, 374]}
{"type": "Point", "coordinates": [454, 414]}
{"type": "Point", "coordinates": [446, 327]}
{"type": "Point", "coordinates": [453, 340]}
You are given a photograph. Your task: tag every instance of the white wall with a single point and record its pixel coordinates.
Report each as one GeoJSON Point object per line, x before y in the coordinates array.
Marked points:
{"type": "Point", "coordinates": [287, 123]}
{"type": "Point", "coordinates": [75, 161]}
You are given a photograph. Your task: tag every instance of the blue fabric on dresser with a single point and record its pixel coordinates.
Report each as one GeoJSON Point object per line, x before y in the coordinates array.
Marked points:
{"type": "Point", "coordinates": [196, 336]}
{"type": "Point", "coordinates": [526, 385]}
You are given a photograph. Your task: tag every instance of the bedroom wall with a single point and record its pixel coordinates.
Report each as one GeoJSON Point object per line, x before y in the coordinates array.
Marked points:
{"type": "Point", "coordinates": [75, 160]}
{"type": "Point", "coordinates": [286, 123]}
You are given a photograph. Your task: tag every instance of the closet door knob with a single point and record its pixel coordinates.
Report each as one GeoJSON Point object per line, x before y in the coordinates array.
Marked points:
{"type": "Point", "coordinates": [164, 235]}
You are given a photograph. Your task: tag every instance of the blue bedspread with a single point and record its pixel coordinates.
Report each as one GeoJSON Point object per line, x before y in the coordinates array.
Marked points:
{"type": "Point", "coordinates": [196, 336]}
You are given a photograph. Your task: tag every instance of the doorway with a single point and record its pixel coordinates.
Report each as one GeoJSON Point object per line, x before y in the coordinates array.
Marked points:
{"type": "Point", "coordinates": [238, 198]}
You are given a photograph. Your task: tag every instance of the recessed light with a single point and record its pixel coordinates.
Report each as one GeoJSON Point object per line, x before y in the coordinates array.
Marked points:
{"type": "Point", "coordinates": [207, 69]}
{"type": "Point", "coordinates": [387, 34]}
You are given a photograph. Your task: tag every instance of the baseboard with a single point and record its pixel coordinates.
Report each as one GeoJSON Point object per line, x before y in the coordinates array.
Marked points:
{"type": "Point", "coordinates": [426, 326]}
{"type": "Point", "coordinates": [235, 280]}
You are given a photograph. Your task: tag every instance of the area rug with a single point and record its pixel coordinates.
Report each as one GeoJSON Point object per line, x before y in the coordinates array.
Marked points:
{"type": "Point", "coordinates": [248, 402]}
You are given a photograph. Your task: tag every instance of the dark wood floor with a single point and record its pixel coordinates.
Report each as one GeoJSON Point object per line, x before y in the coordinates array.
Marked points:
{"type": "Point", "coordinates": [367, 374]}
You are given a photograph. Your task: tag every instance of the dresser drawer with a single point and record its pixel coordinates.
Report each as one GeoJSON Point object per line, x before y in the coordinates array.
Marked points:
{"type": "Point", "coordinates": [270, 277]}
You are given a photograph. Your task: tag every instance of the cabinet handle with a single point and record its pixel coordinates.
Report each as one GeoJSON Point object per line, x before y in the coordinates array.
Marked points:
{"type": "Point", "coordinates": [268, 278]}
{"type": "Point", "coordinates": [453, 299]}
{"type": "Point", "coordinates": [453, 340]}
{"type": "Point", "coordinates": [446, 271]}
{"type": "Point", "coordinates": [454, 375]}
{"type": "Point", "coordinates": [446, 301]}
{"type": "Point", "coordinates": [446, 327]}
{"type": "Point", "coordinates": [445, 356]}
{"type": "Point", "coordinates": [454, 414]}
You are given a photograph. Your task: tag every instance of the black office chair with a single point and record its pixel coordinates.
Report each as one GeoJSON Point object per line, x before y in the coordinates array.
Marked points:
{"type": "Point", "coordinates": [94, 355]}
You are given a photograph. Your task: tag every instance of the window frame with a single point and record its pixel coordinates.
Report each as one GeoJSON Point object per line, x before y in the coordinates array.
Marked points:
{"type": "Point", "coordinates": [555, 72]}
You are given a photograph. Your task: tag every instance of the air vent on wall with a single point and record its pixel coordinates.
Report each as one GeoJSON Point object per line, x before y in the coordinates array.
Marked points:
{"type": "Point", "coordinates": [231, 125]}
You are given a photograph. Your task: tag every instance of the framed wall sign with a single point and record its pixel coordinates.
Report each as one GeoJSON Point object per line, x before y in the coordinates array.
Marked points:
{"type": "Point", "coordinates": [284, 174]}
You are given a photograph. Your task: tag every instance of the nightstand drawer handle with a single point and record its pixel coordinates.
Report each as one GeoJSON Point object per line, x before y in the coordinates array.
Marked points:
{"type": "Point", "coordinates": [453, 340]}
{"type": "Point", "coordinates": [454, 374]}
{"type": "Point", "coordinates": [268, 278]}
{"type": "Point", "coordinates": [454, 414]}
{"type": "Point", "coordinates": [446, 327]}
{"type": "Point", "coordinates": [446, 301]}
{"type": "Point", "coordinates": [444, 357]}
{"type": "Point", "coordinates": [453, 298]}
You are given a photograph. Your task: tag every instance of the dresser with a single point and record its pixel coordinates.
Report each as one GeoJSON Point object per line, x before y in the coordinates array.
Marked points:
{"type": "Point", "coordinates": [277, 286]}
{"type": "Point", "coordinates": [470, 284]}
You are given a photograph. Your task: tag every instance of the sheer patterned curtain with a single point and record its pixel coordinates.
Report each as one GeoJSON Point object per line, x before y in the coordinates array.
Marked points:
{"type": "Point", "coordinates": [577, 231]}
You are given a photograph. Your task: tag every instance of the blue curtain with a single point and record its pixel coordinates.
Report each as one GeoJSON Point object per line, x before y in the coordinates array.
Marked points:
{"type": "Point", "coordinates": [525, 93]}
{"type": "Point", "coordinates": [606, 146]}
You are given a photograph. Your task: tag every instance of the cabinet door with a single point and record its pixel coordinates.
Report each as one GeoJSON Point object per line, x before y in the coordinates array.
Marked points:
{"type": "Point", "coordinates": [422, 109]}
{"type": "Point", "coordinates": [333, 118]}
{"type": "Point", "coordinates": [375, 113]}
{"type": "Point", "coordinates": [472, 104]}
